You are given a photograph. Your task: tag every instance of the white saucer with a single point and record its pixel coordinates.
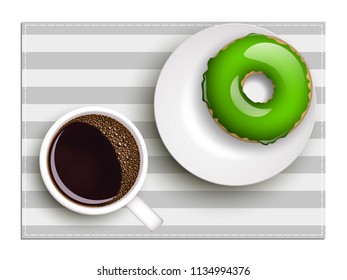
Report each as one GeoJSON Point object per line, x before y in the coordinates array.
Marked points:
{"type": "Point", "coordinates": [191, 135]}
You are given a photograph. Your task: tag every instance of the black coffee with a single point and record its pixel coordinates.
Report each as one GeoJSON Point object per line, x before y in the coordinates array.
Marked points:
{"type": "Point", "coordinates": [94, 160]}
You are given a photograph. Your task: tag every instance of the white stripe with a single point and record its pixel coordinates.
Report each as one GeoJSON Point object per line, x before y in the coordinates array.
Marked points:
{"type": "Point", "coordinates": [92, 78]}
{"type": "Point", "coordinates": [62, 216]}
{"type": "Point", "coordinates": [187, 182]}
{"type": "Point", "coordinates": [241, 217]}
{"type": "Point", "coordinates": [305, 43]}
{"type": "Point", "coordinates": [138, 43]}
{"type": "Point", "coordinates": [31, 147]}
{"type": "Point", "coordinates": [102, 43]}
{"type": "Point", "coordinates": [314, 147]}
{"type": "Point", "coordinates": [318, 78]}
{"type": "Point", "coordinates": [32, 182]}
{"type": "Point", "coordinates": [52, 112]}
{"type": "Point", "coordinates": [181, 217]}
{"type": "Point", "coordinates": [135, 112]}
{"type": "Point", "coordinates": [108, 78]}
{"type": "Point", "coordinates": [155, 147]}
{"type": "Point", "coordinates": [320, 112]}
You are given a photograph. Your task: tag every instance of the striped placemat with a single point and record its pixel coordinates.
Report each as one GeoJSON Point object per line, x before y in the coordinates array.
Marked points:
{"type": "Point", "coordinates": [116, 65]}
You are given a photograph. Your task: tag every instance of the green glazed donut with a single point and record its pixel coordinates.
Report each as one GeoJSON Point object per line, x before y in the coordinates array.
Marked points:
{"type": "Point", "coordinates": [234, 111]}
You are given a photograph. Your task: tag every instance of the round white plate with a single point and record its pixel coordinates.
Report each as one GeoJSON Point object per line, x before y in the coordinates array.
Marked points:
{"type": "Point", "coordinates": [189, 132]}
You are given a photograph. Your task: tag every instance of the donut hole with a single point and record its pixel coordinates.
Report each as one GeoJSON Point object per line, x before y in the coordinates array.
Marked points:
{"type": "Point", "coordinates": [258, 87]}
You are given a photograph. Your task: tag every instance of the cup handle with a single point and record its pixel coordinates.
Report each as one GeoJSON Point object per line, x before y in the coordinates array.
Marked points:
{"type": "Point", "coordinates": [144, 213]}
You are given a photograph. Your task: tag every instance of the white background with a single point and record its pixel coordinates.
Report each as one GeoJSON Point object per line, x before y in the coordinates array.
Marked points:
{"type": "Point", "coordinates": [78, 259]}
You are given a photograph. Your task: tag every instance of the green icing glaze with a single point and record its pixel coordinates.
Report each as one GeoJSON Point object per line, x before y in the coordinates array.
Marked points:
{"type": "Point", "coordinates": [260, 122]}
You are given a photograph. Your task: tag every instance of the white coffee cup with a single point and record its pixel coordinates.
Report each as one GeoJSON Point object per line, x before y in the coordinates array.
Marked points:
{"type": "Point", "coordinates": [144, 213]}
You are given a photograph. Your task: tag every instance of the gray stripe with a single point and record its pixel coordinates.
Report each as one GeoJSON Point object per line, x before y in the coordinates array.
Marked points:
{"type": "Point", "coordinates": [120, 60]}
{"type": "Point", "coordinates": [167, 164]}
{"type": "Point", "coordinates": [234, 199]}
{"type": "Point", "coordinates": [314, 60]}
{"type": "Point", "coordinates": [204, 199]}
{"type": "Point", "coordinates": [318, 131]}
{"type": "Point", "coordinates": [104, 60]}
{"type": "Point", "coordinates": [103, 95]}
{"type": "Point", "coordinates": [101, 28]}
{"type": "Point", "coordinates": [314, 164]}
{"type": "Point", "coordinates": [37, 130]}
{"type": "Point", "coordinates": [173, 232]}
{"type": "Point", "coordinates": [88, 95]}
{"type": "Point", "coordinates": [320, 95]}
